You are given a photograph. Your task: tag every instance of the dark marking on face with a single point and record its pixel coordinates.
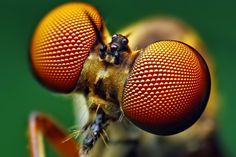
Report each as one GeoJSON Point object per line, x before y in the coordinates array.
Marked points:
{"type": "Point", "coordinates": [114, 96]}
{"type": "Point", "coordinates": [99, 89]}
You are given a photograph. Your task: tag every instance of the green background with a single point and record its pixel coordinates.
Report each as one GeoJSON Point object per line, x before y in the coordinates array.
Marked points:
{"type": "Point", "coordinates": [20, 93]}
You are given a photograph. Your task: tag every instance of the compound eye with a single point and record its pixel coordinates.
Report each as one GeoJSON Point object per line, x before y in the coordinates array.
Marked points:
{"type": "Point", "coordinates": [62, 42]}
{"type": "Point", "coordinates": [167, 89]}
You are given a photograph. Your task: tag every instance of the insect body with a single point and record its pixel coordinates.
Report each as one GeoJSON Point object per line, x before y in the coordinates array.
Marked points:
{"type": "Point", "coordinates": [162, 88]}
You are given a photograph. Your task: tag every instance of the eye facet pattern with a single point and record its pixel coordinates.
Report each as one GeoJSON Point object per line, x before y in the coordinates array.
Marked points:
{"type": "Point", "coordinates": [62, 42]}
{"type": "Point", "coordinates": [167, 89]}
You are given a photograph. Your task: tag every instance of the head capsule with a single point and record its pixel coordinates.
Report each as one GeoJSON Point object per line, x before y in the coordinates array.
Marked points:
{"type": "Point", "coordinates": [62, 42]}
{"type": "Point", "coordinates": [167, 89]}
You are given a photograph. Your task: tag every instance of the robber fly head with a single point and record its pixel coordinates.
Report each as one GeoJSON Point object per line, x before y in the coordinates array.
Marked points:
{"type": "Point", "coordinates": [162, 88]}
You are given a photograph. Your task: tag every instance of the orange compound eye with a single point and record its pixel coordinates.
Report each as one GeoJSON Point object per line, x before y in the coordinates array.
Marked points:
{"type": "Point", "coordinates": [168, 88]}
{"type": "Point", "coordinates": [61, 44]}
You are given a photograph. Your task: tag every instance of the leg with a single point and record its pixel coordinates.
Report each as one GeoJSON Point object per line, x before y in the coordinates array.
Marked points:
{"type": "Point", "coordinates": [40, 124]}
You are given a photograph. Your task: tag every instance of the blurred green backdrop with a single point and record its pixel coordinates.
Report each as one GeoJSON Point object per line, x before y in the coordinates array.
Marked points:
{"type": "Point", "coordinates": [21, 94]}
